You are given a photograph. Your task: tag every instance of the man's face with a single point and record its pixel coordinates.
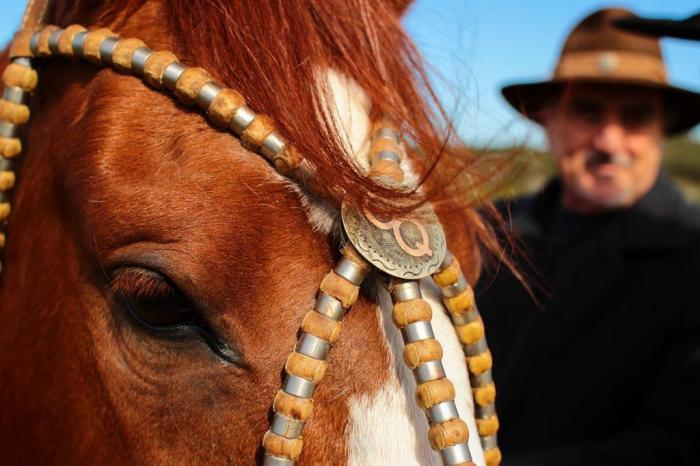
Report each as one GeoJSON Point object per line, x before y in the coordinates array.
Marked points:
{"type": "Point", "coordinates": [607, 142]}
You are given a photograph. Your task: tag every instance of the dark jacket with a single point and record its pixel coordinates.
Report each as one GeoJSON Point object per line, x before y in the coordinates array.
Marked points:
{"type": "Point", "coordinates": [606, 371]}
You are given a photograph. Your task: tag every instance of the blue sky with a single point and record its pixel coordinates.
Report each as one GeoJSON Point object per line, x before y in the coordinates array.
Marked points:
{"type": "Point", "coordinates": [476, 46]}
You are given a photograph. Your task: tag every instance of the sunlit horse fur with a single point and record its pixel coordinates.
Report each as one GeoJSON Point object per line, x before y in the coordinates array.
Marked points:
{"type": "Point", "coordinates": [125, 193]}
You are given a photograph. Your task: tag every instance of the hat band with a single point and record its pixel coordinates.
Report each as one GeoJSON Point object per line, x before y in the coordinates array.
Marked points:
{"type": "Point", "coordinates": [611, 65]}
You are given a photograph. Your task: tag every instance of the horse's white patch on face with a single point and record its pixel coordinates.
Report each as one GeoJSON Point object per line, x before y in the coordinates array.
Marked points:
{"type": "Point", "coordinates": [387, 427]}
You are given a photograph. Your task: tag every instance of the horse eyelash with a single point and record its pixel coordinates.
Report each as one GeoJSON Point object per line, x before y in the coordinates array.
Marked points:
{"type": "Point", "coordinates": [140, 284]}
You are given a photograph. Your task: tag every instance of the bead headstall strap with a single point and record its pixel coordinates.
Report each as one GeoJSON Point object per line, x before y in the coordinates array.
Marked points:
{"type": "Point", "coordinates": [320, 327]}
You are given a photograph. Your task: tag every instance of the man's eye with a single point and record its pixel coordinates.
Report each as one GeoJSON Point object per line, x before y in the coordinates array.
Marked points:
{"type": "Point", "coordinates": [637, 116]}
{"type": "Point", "coordinates": [586, 110]}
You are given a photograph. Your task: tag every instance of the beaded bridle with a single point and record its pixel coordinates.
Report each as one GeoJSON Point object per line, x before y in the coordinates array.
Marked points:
{"type": "Point", "coordinates": [402, 264]}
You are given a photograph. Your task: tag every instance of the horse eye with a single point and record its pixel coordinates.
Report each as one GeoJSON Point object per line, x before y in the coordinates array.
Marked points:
{"type": "Point", "coordinates": [151, 299]}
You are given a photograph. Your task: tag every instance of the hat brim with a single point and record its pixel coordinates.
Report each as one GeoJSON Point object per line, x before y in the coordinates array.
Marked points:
{"type": "Point", "coordinates": [660, 27]}
{"type": "Point", "coordinates": [531, 98]}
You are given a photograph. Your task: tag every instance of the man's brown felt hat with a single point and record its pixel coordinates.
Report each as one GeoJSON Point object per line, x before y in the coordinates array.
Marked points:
{"type": "Point", "coordinates": [598, 52]}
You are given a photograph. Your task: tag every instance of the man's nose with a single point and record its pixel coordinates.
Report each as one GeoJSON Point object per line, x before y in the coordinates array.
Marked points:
{"type": "Point", "coordinates": [610, 136]}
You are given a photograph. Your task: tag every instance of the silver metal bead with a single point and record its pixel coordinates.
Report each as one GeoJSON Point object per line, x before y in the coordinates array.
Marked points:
{"type": "Point", "coordinates": [5, 164]}
{"type": "Point", "coordinates": [206, 95]}
{"type": "Point", "coordinates": [313, 346]}
{"type": "Point", "coordinates": [456, 454]}
{"type": "Point", "coordinates": [272, 146]}
{"type": "Point", "coordinates": [78, 44]}
{"type": "Point", "coordinates": [241, 119]}
{"type": "Point", "coordinates": [298, 386]}
{"type": "Point", "coordinates": [271, 460]}
{"type": "Point", "coordinates": [34, 44]}
{"type": "Point", "coordinates": [489, 442]}
{"type": "Point", "coordinates": [477, 348]}
{"type": "Point", "coordinates": [481, 380]}
{"type": "Point", "coordinates": [329, 307]}
{"type": "Point", "coordinates": [405, 291]}
{"type": "Point", "coordinates": [349, 271]}
{"type": "Point", "coordinates": [172, 73]}
{"type": "Point", "coordinates": [468, 317]}
{"type": "Point", "coordinates": [484, 412]}
{"type": "Point", "coordinates": [441, 412]}
{"type": "Point", "coordinates": [446, 261]}
{"type": "Point", "coordinates": [450, 291]}
{"type": "Point", "coordinates": [53, 41]}
{"type": "Point", "coordinates": [8, 130]}
{"type": "Point", "coordinates": [139, 59]}
{"type": "Point", "coordinates": [23, 61]}
{"type": "Point", "coordinates": [389, 155]}
{"type": "Point", "coordinates": [15, 95]}
{"type": "Point", "coordinates": [107, 49]}
{"type": "Point", "coordinates": [286, 426]}
{"type": "Point", "coordinates": [421, 330]}
{"type": "Point", "coordinates": [388, 133]}
{"type": "Point", "coordinates": [431, 370]}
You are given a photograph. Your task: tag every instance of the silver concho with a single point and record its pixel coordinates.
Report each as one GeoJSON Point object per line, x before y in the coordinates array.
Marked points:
{"type": "Point", "coordinates": [408, 247]}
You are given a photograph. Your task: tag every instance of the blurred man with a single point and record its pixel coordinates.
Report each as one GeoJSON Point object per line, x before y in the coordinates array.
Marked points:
{"type": "Point", "coordinates": [601, 366]}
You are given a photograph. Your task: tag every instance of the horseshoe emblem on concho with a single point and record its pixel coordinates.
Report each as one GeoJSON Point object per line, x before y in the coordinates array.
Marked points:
{"type": "Point", "coordinates": [403, 247]}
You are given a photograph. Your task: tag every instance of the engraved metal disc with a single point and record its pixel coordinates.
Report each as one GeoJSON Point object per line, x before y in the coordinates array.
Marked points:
{"type": "Point", "coordinates": [407, 247]}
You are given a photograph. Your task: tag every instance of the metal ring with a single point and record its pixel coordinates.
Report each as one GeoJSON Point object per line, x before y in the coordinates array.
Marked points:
{"type": "Point", "coordinates": [388, 133]}
{"type": "Point", "coordinates": [78, 44]}
{"type": "Point", "coordinates": [172, 73]}
{"type": "Point", "coordinates": [107, 49]}
{"type": "Point", "coordinates": [8, 130]}
{"type": "Point", "coordinates": [441, 412]}
{"type": "Point", "coordinates": [349, 271]}
{"type": "Point", "coordinates": [329, 307]}
{"type": "Point", "coordinates": [34, 44]}
{"type": "Point", "coordinates": [271, 460]}
{"type": "Point", "coordinates": [207, 94]}
{"type": "Point", "coordinates": [450, 291]}
{"type": "Point", "coordinates": [5, 165]}
{"type": "Point", "coordinates": [489, 442]}
{"type": "Point", "coordinates": [405, 291]}
{"type": "Point", "coordinates": [485, 412]}
{"type": "Point", "coordinates": [286, 426]}
{"type": "Point", "coordinates": [477, 348]}
{"type": "Point", "coordinates": [298, 386]}
{"type": "Point", "coordinates": [243, 117]}
{"type": "Point", "coordinates": [481, 380]}
{"type": "Point", "coordinates": [430, 370]}
{"type": "Point", "coordinates": [272, 146]}
{"type": "Point", "coordinates": [313, 346]}
{"type": "Point", "coordinates": [388, 155]}
{"type": "Point", "coordinates": [472, 315]}
{"type": "Point", "coordinates": [421, 330]}
{"type": "Point", "coordinates": [456, 454]}
{"type": "Point", "coordinates": [53, 41]}
{"type": "Point", "coordinates": [15, 95]}
{"type": "Point", "coordinates": [139, 59]}
{"type": "Point", "coordinates": [23, 61]}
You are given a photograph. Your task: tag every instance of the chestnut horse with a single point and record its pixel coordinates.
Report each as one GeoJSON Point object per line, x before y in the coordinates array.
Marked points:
{"type": "Point", "coordinates": [156, 271]}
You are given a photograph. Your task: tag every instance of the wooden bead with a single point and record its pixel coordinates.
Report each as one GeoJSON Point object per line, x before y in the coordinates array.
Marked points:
{"type": "Point", "coordinates": [123, 51]}
{"type": "Point", "coordinates": [4, 211]}
{"type": "Point", "coordinates": [20, 44]}
{"type": "Point", "coordinates": [20, 76]}
{"type": "Point", "coordinates": [321, 326]}
{"type": "Point", "coordinates": [341, 289]}
{"type": "Point", "coordinates": [488, 426]}
{"type": "Point", "coordinates": [189, 84]}
{"type": "Point", "coordinates": [384, 144]}
{"type": "Point", "coordinates": [43, 42]}
{"type": "Point", "coordinates": [449, 276]}
{"type": "Point", "coordinates": [493, 456]}
{"type": "Point", "coordinates": [305, 367]}
{"type": "Point", "coordinates": [10, 147]}
{"type": "Point", "coordinates": [2, 240]}
{"type": "Point", "coordinates": [65, 41]}
{"type": "Point", "coordinates": [448, 433]}
{"type": "Point", "coordinates": [485, 395]}
{"type": "Point", "coordinates": [257, 131]}
{"type": "Point", "coordinates": [281, 446]}
{"type": "Point", "coordinates": [461, 303]}
{"type": "Point", "coordinates": [293, 407]}
{"type": "Point", "coordinates": [480, 363]}
{"type": "Point", "coordinates": [155, 66]}
{"type": "Point", "coordinates": [470, 333]}
{"type": "Point", "coordinates": [7, 180]}
{"type": "Point", "coordinates": [288, 161]}
{"type": "Point", "coordinates": [17, 114]}
{"type": "Point", "coordinates": [387, 168]}
{"type": "Point", "coordinates": [224, 106]}
{"type": "Point", "coordinates": [91, 48]}
{"type": "Point", "coordinates": [408, 312]}
{"type": "Point", "coordinates": [419, 352]}
{"type": "Point", "coordinates": [430, 393]}
{"type": "Point", "coordinates": [350, 253]}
